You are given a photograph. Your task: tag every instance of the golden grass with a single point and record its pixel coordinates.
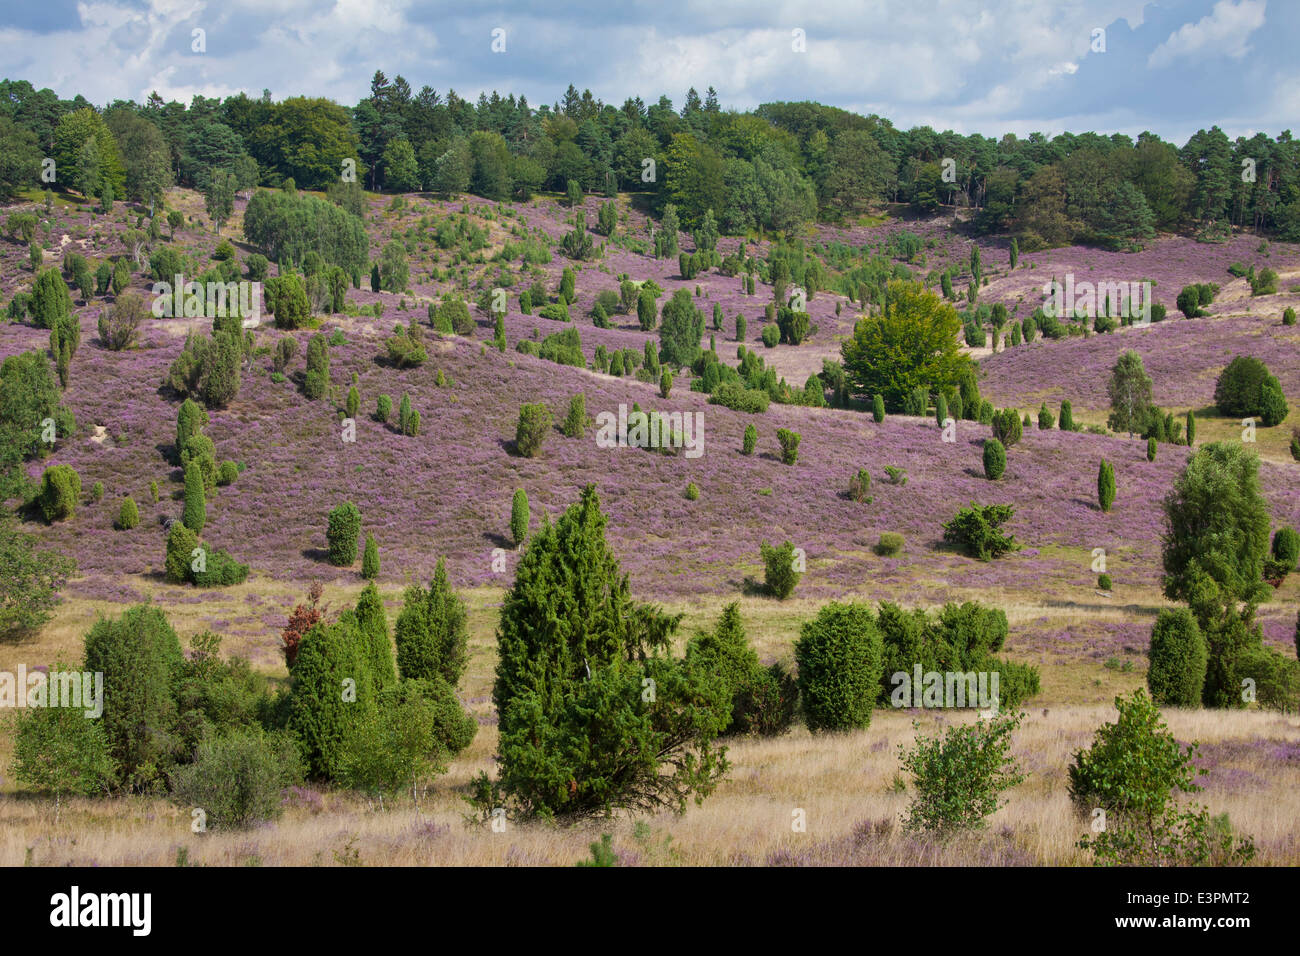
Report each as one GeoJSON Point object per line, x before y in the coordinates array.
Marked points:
{"type": "Point", "coordinates": [838, 781]}
{"type": "Point", "coordinates": [844, 784]}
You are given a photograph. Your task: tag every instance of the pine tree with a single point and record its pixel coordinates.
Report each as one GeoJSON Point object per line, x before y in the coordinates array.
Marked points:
{"type": "Point", "coordinates": [374, 277]}
{"type": "Point", "coordinates": [195, 514]}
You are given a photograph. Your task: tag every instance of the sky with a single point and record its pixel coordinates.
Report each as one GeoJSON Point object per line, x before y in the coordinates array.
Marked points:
{"type": "Point", "coordinates": [991, 67]}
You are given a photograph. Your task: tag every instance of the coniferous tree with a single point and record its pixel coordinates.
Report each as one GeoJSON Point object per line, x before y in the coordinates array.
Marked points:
{"type": "Point", "coordinates": [519, 517]}
{"type": "Point", "coordinates": [431, 633]}
{"type": "Point", "coordinates": [370, 559]}
{"type": "Point", "coordinates": [195, 514]}
{"type": "Point", "coordinates": [578, 732]}
{"type": "Point", "coordinates": [1105, 485]}
{"type": "Point", "coordinates": [376, 645]}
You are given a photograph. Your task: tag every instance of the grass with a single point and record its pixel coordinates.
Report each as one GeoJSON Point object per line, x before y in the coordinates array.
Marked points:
{"type": "Point", "coordinates": [843, 783]}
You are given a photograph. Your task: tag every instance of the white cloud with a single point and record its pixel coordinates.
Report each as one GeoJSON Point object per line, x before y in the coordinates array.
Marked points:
{"type": "Point", "coordinates": [1224, 31]}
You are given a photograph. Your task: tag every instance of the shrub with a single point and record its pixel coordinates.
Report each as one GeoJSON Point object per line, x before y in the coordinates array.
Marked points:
{"type": "Point", "coordinates": [1105, 485]}
{"type": "Point", "coordinates": [217, 569]}
{"type": "Point", "coordinates": [839, 656]}
{"type": "Point", "coordinates": [665, 383]}
{"type": "Point", "coordinates": [285, 350]}
{"type": "Point", "coordinates": [575, 422]}
{"type": "Point", "coordinates": [976, 531]}
{"type": "Point", "coordinates": [128, 516]}
{"type": "Point", "coordinates": [342, 530]}
{"type": "Point", "coordinates": [1286, 547]}
{"type": "Point", "coordinates": [692, 492]}
{"type": "Point", "coordinates": [431, 633]}
{"type": "Point", "coordinates": [723, 654]}
{"type": "Point", "coordinates": [199, 449]}
{"type": "Point", "coordinates": [530, 431]}
{"type": "Point", "coordinates": [1288, 316]}
{"type": "Point", "coordinates": [408, 418]}
{"type": "Point", "coordinates": [181, 542]}
{"type": "Point", "coordinates": [896, 476]}
{"type": "Point", "coordinates": [1151, 449]}
{"type": "Point", "coordinates": [1264, 283]}
{"type": "Point", "coordinates": [404, 739]}
{"type": "Point", "coordinates": [739, 398]}
{"type": "Point", "coordinates": [1239, 389]}
{"type": "Point", "coordinates": [383, 408]}
{"type": "Point", "coordinates": [860, 487]}
{"type": "Point", "coordinates": [749, 441]}
{"type": "Point", "coordinates": [140, 658]}
{"type": "Point", "coordinates": [239, 778]}
{"type": "Point", "coordinates": [770, 335]}
{"type": "Point", "coordinates": [1008, 427]}
{"type": "Point", "coordinates": [878, 408]}
{"type": "Point", "coordinates": [789, 445]}
{"type": "Point", "coordinates": [1273, 408]}
{"type": "Point", "coordinates": [227, 473]}
{"type": "Point", "coordinates": [405, 349]}
{"type": "Point", "coordinates": [916, 401]}
{"type": "Point", "coordinates": [120, 323]}
{"type": "Point", "coordinates": [57, 751]}
{"type": "Point", "coordinates": [779, 574]}
{"type": "Point", "coordinates": [890, 544]}
{"type": "Point", "coordinates": [958, 778]}
{"type": "Point", "coordinates": [317, 377]}
{"type": "Point", "coordinates": [519, 517]}
{"type": "Point", "coordinates": [1177, 659]}
{"type": "Point", "coordinates": [195, 514]}
{"type": "Point", "coordinates": [59, 493]}
{"type": "Point", "coordinates": [1103, 582]}
{"type": "Point", "coordinates": [1132, 771]}
{"type": "Point", "coordinates": [319, 716]}
{"type": "Point", "coordinates": [1045, 419]}
{"type": "Point", "coordinates": [370, 559]}
{"type": "Point", "coordinates": [995, 459]}
{"type": "Point", "coordinates": [1189, 302]}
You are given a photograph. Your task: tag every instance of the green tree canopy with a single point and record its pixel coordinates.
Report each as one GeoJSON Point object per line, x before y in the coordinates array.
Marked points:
{"type": "Point", "coordinates": [912, 344]}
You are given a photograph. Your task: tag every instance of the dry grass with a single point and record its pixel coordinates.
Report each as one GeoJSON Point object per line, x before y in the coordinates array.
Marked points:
{"type": "Point", "coordinates": [845, 784]}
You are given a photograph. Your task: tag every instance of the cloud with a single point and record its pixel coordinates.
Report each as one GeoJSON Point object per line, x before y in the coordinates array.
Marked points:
{"type": "Point", "coordinates": [1002, 65]}
{"type": "Point", "coordinates": [1224, 31]}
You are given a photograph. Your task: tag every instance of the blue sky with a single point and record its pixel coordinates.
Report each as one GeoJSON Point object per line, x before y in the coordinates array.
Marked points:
{"type": "Point", "coordinates": [998, 66]}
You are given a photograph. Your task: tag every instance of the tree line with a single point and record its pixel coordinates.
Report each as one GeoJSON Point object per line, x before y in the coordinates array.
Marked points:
{"type": "Point", "coordinates": [773, 168]}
